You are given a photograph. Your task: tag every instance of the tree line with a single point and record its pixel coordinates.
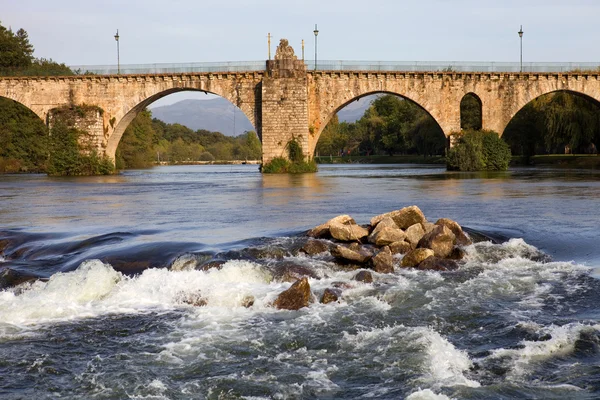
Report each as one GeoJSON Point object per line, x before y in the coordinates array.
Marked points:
{"type": "Point", "coordinates": [148, 140]}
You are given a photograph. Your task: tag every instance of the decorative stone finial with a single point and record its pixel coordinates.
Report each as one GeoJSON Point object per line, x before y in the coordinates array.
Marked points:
{"type": "Point", "coordinates": [285, 51]}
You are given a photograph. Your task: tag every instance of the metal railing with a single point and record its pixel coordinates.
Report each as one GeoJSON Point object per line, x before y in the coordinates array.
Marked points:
{"type": "Point", "coordinates": [325, 65]}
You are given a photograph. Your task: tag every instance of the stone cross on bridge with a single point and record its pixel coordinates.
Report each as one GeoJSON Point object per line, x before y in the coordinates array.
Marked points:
{"type": "Point", "coordinates": [287, 101]}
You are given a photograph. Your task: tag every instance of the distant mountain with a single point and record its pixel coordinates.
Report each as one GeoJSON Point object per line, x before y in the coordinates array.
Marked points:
{"type": "Point", "coordinates": [217, 114]}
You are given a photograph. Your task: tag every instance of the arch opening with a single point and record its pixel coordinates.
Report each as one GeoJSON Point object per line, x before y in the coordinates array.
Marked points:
{"type": "Point", "coordinates": [558, 122]}
{"type": "Point", "coordinates": [184, 126]}
{"type": "Point", "coordinates": [470, 112]}
{"type": "Point", "coordinates": [24, 139]}
{"type": "Point", "coordinates": [380, 124]}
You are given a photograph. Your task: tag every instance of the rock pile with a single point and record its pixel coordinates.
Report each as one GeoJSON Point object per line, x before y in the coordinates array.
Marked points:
{"type": "Point", "coordinates": [425, 245]}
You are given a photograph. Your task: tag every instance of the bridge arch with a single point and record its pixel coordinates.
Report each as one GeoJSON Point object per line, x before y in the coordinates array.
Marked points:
{"type": "Point", "coordinates": [329, 111]}
{"type": "Point", "coordinates": [38, 111]}
{"type": "Point", "coordinates": [132, 109]}
{"type": "Point", "coordinates": [526, 140]}
{"type": "Point", "coordinates": [471, 116]}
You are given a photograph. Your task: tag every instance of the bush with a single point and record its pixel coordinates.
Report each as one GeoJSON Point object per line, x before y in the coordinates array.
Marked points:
{"type": "Point", "coordinates": [479, 151]}
{"type": "Point", "coordinates": [206, 156]}
{"type": "Point", "coordinates": [295, 165]}
{"type": "Point", "coordinates": [68, 157]}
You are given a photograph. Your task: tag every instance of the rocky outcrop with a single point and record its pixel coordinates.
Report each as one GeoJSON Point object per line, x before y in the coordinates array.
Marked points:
{"type": "Point", "coordinates": [461, 238]}
{"type": "Point", "coordinates": [400, 247]}
{"type": "Point", "coordinates": [414, 233]}
{"type": "Point", "coordinates": [296, 297]}
{"type": "Point", "coordinates": [387, 235]}
{"type": "Point", "coordinates": [289, 271]}
{"type": "Point", "coordinates": [437, 264]}
{"type": "Point", "coordinates": [313, 247]}
{"type": "Point", "coordinates": [346, 254]}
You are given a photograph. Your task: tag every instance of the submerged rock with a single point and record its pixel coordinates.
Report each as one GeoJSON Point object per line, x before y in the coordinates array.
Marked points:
{"type": "Point", "coordinates": [440, 240]}
{"type": "Point", "coordinates": [296, 297]}
{"type": "Point", "coordinates": [364, 276]}
{"type": "Point", "coordinates": [330, 295]}
{"type": "Point", "coordinates": [437, 264]}
{"type": "Point", "coordinates": [288, 271]}
{"type": "Point", "coordinates": [415, 257]}
{"type": "Point", "coordinates": [314, 246]}
{"type": "Point", "coordinates": [11, 278]}
{"type": "Point", "coordinates": [383, 261]}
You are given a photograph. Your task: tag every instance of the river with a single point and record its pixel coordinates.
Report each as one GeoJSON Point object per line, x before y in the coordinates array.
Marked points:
{"type": "Point", "coordinates": [108, 318]}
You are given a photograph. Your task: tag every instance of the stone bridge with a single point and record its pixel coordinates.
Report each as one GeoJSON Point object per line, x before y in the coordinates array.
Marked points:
{"type": "Point", "coordinates": [288, 101]}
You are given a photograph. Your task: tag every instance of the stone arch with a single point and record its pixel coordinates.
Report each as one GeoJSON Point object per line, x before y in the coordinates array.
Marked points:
{"type": "Point", "coordinates": [471, 103]}
{"type": "Point", "coordinates": [39, 112]}
{"type": "Point", "coordinates": [331, 111]}
{"type": "Point", "coordinates": [122, 124]}
{"type": "Point", "coordinates": [593, 100]}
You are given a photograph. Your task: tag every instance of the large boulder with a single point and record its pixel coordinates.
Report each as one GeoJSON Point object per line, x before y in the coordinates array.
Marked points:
{"type": "Point", "coordinates": [296, 297]}
{"type": "Point", "coordinates": [386, 222]}
{"type": "Point", "coordinates": [402, 247]}
{"type": "Point", "coordinates": [383, 261]}
{"type": "Point", "coordinates": [414, 233]}
{"type": "Point", "coordinates": [440, 240]}
{"type": "Point", "coordinates": [404, 217]}
{"type": "Point", "coordinates": [345, 254]}
{"type": "Point", "coordinates": [461, 238]}
{"type": "Point", "coordinates": [437, 264]}
{"type": "Point", "coordinates": [323, 230]}
{"type": "Point", "coordinates": [347, 233]}
{"type": "Point", "coordinates": [330, 295]}
{"type": "Point", "coordinates": [414, 257]}
{"type": "Point", "coordinates": [314, 246]}
{"type": "Point", "coordinates": [387, 235]}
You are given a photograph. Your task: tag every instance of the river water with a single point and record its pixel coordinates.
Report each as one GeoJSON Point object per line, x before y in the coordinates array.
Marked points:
{"type": "Point", "coordinates": [109, 318]}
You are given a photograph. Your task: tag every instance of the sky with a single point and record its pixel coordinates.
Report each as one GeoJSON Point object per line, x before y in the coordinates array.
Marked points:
{"type": "Point", "coordinates": [81, 32]}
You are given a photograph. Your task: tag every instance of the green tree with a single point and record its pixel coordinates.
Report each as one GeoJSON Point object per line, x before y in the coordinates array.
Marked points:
{"type": "Point", "coordinates": [478, 151]}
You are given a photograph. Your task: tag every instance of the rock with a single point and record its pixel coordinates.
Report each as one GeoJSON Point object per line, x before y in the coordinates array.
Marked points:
{"type": "Point", "coordinates": [364, 276]}
{"type": "Point", "coordinates": [188, 262]}
{"type": "Point", "coordinates": [414, 233]}
{"type": "Point", "coordinates": [345, 254]}
{"type": "Point", "coordinates": [461, 238]}
{"type": "Point", "coordinates": [212, 264]}
{"type": "Point", "coordinates": [313, 247]}
{"type": "Point", "coordinates": [440, 240]}
{"type": "Point", "coordinates": [403, 218]}
{"type": "Point", "coordinates": [414, 257]}
{"type": "Point", "coordinates": [387, 235]}
{"type": "Point", "coordinates": [194, 299]}
{"type": "Point", "coordinates": [457, 254]}
{"type": "Point", "coordinates": [428, 226]}
{"type": "Point", "coordinates": [296, 297]}
{"type": "Point", "coordinates": [323, 230]}
{"type": "Point", "coordinates": [347, 233]}
{"type": "Point", "coordinates": [386, 222]}
{"type": "Point", "coordinates": [330, 295]}
{"type": "Point", "coordinates": [383, 261]}
{"type": "Point", "coordinates": [288, 271]}
{"type": "Point", "coordinates": [248, 301]}
{"type": "Point", "coordinates": [11, 278]}
{"type": "Point", "coordinates": [437, 264]}
{"type": "Point", "coordinates": [402, 247]}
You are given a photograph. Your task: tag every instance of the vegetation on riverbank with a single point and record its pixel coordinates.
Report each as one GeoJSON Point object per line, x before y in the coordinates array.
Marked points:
{"type": "Point", "coordinates": [296, 163]}
{"type": "Point", "coordinates": [478, 150]}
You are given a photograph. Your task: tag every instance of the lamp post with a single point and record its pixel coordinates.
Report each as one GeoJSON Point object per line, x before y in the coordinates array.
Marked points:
{"type": "Point", "coordinates": [521, 39]}
{"type": "Point", "coordinates": [316, 32]}
{"type": "Point", "coordinates": [118, 55]}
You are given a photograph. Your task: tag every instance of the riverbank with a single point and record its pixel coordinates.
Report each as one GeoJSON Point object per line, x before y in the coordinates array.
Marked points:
{"type": "Point", "coordinates": [377, 159]}
{"type": "Point", "coordinates": [583, 161]}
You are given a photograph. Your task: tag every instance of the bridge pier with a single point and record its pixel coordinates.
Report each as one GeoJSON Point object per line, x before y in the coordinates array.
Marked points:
{"type": "Point", "coordinates": [284, 104]}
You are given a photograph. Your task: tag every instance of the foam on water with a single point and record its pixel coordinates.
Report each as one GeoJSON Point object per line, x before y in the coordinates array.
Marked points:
{"type": "Point", "coordinates": [427, 394]}
{"type": "Point", "coordinates": [561, 342]}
